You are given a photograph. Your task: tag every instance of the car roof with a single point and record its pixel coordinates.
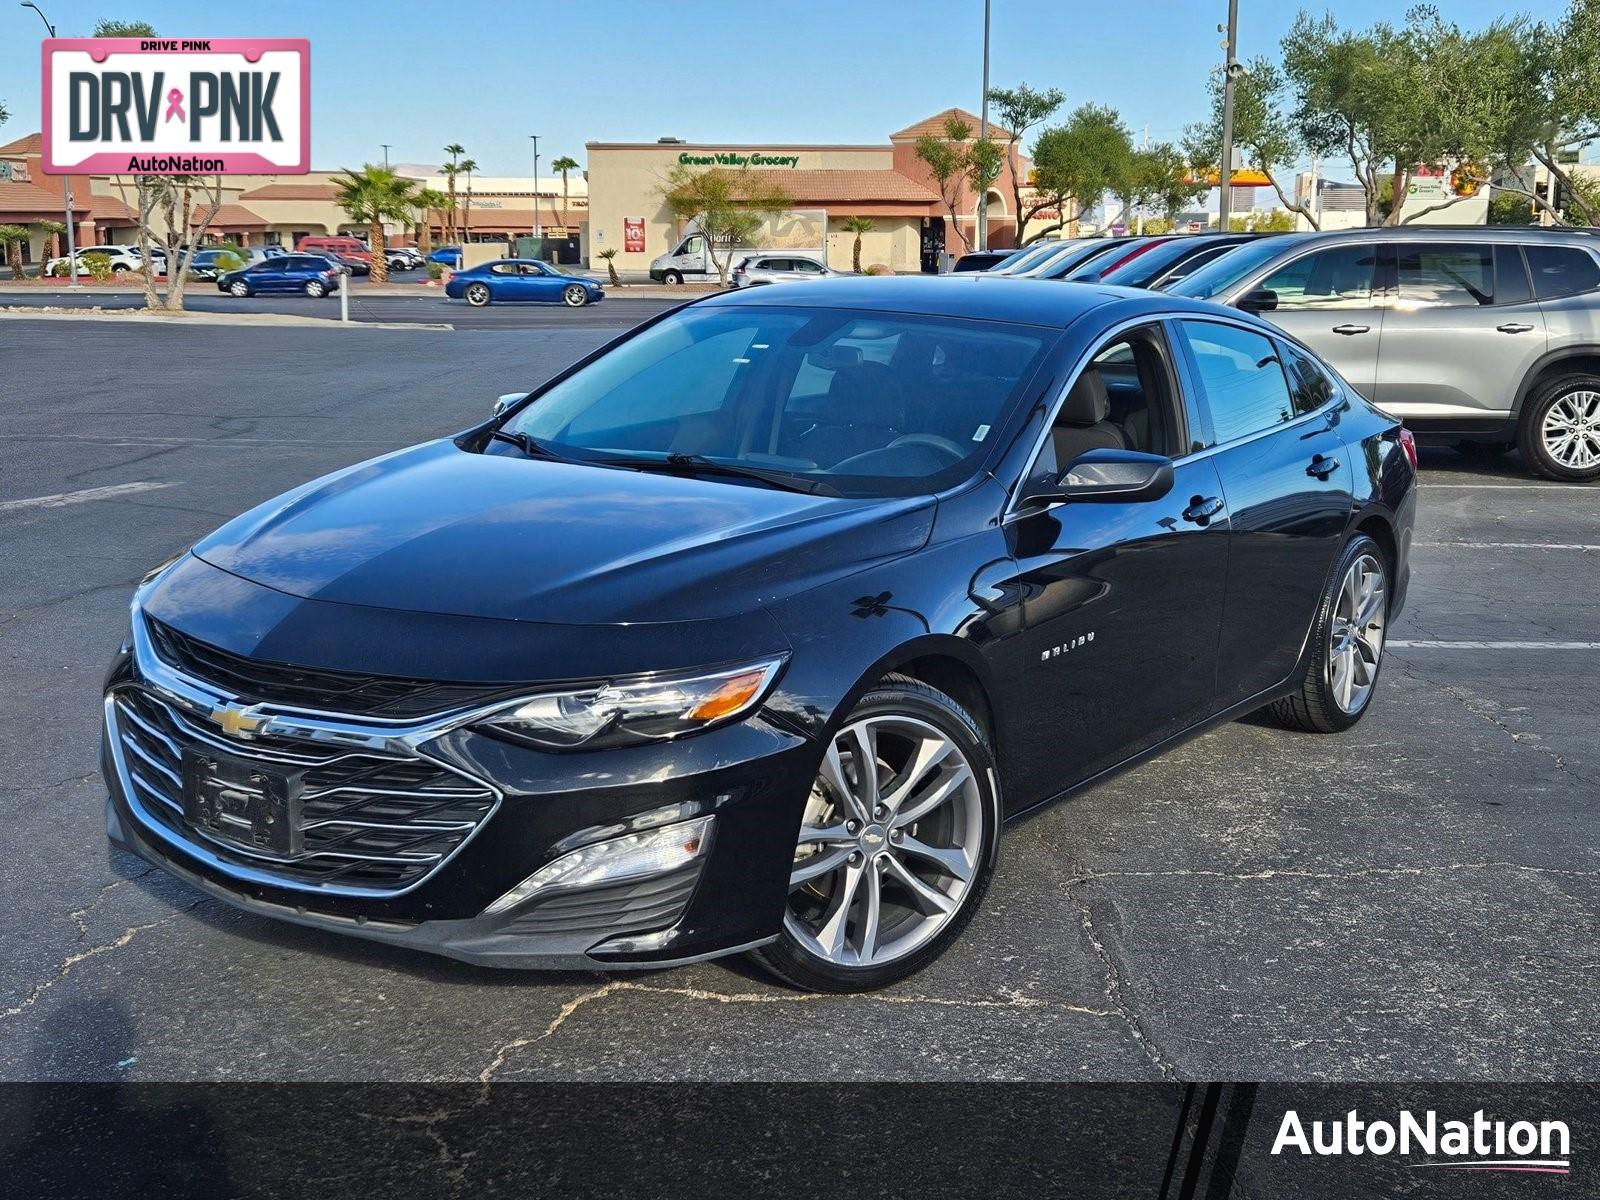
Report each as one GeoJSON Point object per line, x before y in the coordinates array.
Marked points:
{"type": "Point", "coordinates": [974, 296]}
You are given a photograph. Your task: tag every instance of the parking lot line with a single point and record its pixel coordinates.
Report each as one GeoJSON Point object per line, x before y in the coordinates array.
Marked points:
{"type": "Point", "coordinates": [1584, 546]}
{"type": "Point", "coordinates": [1510, 487]}
{"type": "Point", "coordinates": [1430, 644]}
{"type": "Point", "coordinates": [61, 499]}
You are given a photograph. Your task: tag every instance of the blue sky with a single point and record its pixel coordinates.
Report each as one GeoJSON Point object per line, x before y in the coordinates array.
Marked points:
{"type": "Point", "coordinates": [487, 73]}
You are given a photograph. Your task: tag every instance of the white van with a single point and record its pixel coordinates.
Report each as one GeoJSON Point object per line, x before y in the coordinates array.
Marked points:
{"type": "Point", "coordinates": [789, 233]}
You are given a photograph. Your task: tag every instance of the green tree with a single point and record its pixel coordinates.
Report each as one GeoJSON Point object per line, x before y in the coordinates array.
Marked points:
{"type": "Point", "coordinates": [12, 237]}
{"type": "Point", "coordinates": [467, 166]}
{"type": "Point", "coordinates": [455, 150]}
{"type": "Point", "coordinates": [1077, 163]}
{"type": "Point", "coordinates": [1510, 208]}
{"type": "Point", "coordinates": [857, 226]}
{"type": "Point", "coordinates": [1264, 138]}
{"type": "Point", "coordinates": [55, 231]}
{"type": "Point", "coordinates": [609, 254]}
{"type": "Point", "coordinates": [1159, 181]}
{"type": "Point", "coordinates": [1018, 110]}
{"type": "Point", "coordinates": [564, 165]}
{"type": "Point", "coordinates": [372, 196]}
{"type": "Point", "coordinates": [950, 161]}
{"type": "Point", "coordinates": [727, 207]}
{"type": "Point", "coordinates": [124, 29]}
{"type": "Point", "coordinates": [427, 201]}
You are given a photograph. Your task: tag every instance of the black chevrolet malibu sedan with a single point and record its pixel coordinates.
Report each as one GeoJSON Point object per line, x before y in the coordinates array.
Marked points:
{"type": "Point", "coordinates": [750, 630]}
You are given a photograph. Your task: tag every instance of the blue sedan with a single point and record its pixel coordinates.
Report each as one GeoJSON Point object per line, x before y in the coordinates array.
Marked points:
{"type": "Point", "coordinates": [521, 279]}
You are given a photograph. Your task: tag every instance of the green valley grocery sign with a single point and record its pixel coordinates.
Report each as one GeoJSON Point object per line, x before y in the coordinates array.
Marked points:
{"type": "Point", "coordinates": [726, 158]}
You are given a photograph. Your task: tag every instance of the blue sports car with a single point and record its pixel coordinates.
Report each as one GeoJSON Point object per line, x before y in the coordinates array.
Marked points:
{"type": "Point", "coordinates": [521, 279]}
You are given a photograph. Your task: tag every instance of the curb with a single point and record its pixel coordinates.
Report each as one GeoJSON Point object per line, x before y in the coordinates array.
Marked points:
{"type": "Point", "coordinates": [268, 320]}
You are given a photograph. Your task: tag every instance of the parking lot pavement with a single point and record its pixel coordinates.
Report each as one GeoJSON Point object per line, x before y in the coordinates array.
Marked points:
{"type": "Point", "coordinates": [1417, 899]}
{"type": "Point", "coordinates": [616, 312]}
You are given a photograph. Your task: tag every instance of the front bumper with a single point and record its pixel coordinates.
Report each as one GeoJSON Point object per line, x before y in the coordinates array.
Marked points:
{"type": "Point", "coordinates": [752, 776]}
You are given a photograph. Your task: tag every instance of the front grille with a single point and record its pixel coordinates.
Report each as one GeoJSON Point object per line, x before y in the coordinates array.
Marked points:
{"type": "Point", "coordinates": [345, 692]}
{"type": "Point", "coordinates": [647, 904]}
{"type": "Point", "coordinates": [373, 823]}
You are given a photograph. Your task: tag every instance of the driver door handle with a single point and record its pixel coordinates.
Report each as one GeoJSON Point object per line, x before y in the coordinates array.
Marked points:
{"type": "Point", "coordinates": [1514, 327]}
{"type": "Point", "coordinates": [1202, 508]}
{"type": "Point", "coordinates": [1352, 330]}
{"type": "Point", "coordinates": [1322, 467]}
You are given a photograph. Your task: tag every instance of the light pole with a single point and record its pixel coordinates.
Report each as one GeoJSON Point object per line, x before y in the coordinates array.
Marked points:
{"type": "Point", "coordinates": [1230, 72]}
{"type": "Point", "coordinates": [982, 230]}
{"type": "Point", "coordinates": [66, 182]}
{"type": "Point", "coordinates": [385, 146]}
{"type": "Point", "coordinates": [537, 229]}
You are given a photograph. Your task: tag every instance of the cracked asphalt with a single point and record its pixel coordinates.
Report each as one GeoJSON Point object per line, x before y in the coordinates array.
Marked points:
{"type": "Point", "coordinates": [1418, 899]}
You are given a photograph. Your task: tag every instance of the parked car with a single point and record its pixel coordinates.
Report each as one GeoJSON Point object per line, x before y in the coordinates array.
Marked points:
{"type": "Point", "coordinates": [448, 256]}
{"type": "Point", "coordinates": [403, 258]}
{"type": "Point", "coordinates": [208, 263]}
{"type": "Point", "coordinates": [340, 246]}
{"type": "Point", "coordinates": [1486, 338]}
{"type": "Point", "coordinates": [351, 263]}
{"type": "Point", "coordinates": [1071, 255]}
{"type": "Point", "coordinates": [1032, 255]}
{"type": "Point", "coordinates": [521, 279]}
{"type": "Point", "coordinates": [312, 274]}
{"type": "Point", "coordinates": [1172, 260]}
{"type": "Point", "coordinates": [750, 630]}
{"type": "Point", "coordinates": [123, 258]}
{"type": "Point", "coordinates": [761, 269]}
{"type": "Point", "coordinates": [981, 260]}
{"type": "Point", "coordinates": [1091, 269]}
{"type": "Point", "coordinates": [263, 253]}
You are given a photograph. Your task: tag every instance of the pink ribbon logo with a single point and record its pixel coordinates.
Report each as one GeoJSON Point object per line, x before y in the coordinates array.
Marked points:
{"type": "Point", "coordinates": [175, 105]}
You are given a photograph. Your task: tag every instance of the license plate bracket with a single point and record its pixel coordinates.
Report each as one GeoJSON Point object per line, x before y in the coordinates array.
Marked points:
{"type": "Point", "coordinates": [243, 801]}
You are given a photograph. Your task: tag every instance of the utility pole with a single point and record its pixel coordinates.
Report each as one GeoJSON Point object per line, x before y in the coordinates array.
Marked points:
{"type": "Point", "coordinates": [385, 146]}
{"type": "Point", "coordinates": [982, 231]}
{"type": "Point", "coordinates": [66, 182]}
{"type": "Point", "coordinates": [537, 229]}
{"type": "Point", "coordinates": [1230, 71]}
{"type": "Point", "coordinates": [1140, 217]}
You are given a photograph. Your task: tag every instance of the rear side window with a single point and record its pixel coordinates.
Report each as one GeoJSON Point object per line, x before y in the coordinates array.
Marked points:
{"type": "Point", "coordinates": [1510, 277]}
{"type": "Point", "coordinates": [1242, 377]}
{"type": "Point", "coordinates": [1309, 384]}
{"type": "Point", "coordinates": [1445, 274]}
{"type": "Point", "coordinates": [1561, 271]}
{"type": "Point", "coordinates": [1341, 277]}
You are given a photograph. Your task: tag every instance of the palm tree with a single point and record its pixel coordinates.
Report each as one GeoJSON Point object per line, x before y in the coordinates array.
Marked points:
{"type": "Point", "coordinates": [54, 230]}
{"type": "Point", "coordinates": [562, 164]}
{"type": "Point", "coordinates": [12, 237]}
{"type": "Point", "coordinates": [857, 226]}
{"type": "Point", "coordinates": [428, 202]}
{"type": "Point", "coordinates": [469, 166]}
{"type": "Point", "coordinates": [370, 197]}
{"type": "Point", "coordinates": [455, 150]}
{"type": "Point", "coordinates": [610, 255]}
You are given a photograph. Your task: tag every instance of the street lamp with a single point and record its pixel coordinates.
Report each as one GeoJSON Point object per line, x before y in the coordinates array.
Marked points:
{"type": "Point", "coordinates": [385, 146]}
{"type": "Point", "coordinates": [66, 184]}
{"type": "Point", "coordinates": [982, 229]}
{"type": "Point", "coordinates": [1231, 70]}
{"type": "Point", "coordinates": [537, 231]}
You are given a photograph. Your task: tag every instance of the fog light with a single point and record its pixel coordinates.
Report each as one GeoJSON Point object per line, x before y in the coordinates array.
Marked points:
{"type": "Point", "coordinates": [637, 856]}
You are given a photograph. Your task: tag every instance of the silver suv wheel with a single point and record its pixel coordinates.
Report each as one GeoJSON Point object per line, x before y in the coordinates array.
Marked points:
{"type": "Point", "coordinates": [1570, 430]}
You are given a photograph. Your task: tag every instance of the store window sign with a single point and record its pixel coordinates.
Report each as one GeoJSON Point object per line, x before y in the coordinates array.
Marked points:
{"type": "Point", "coordinates": [169, 106]}
{"type": "Point", "coordinates": [729, 158]}
{"type": "Point", "coordinates": [633, 235]}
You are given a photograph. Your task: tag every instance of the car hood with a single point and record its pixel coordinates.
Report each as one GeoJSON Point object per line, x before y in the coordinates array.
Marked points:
{"type": "Point", "coordinates": [439, 529]}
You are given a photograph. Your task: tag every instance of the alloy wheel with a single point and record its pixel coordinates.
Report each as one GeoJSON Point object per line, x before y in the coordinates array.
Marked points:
{"type": "Point", "coordinates": [240, 289]}
{"type": "Point", "coordinates": [315, 289]}
{"type": "Point", "coordinates": [478, 295]}
{"type": "Point", "coordinates": [888, 845]}
{"type": "Point", "coordinates": [1571, 430]}
{"type": "Point", "coordinates": [1356, 642]}
{"type": "Point", "coordinates": [575, 296]}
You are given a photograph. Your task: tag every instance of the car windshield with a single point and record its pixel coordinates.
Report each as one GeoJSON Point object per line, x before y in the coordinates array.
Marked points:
{"type": "Point", "coordinates": [1222, 275]}
{"type": "Point", "coordinates": [1030, 256]}
{"type": "Point", "coordinates": [861, 403]}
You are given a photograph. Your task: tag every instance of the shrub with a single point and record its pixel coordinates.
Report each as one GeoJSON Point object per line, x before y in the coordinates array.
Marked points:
{"type": "Point", "coordinates": [99, 266]}
{"type": "Point", "coordinates": [878, 269]}
{"type": "Point", "coordinates": [229, 260]}
{"type": "Point", "coordinates": [435, 270]}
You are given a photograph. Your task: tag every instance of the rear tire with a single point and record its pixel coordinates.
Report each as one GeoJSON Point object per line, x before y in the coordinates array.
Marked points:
{"type": "Point", "coordinates": [890, 868]}
{"type": "Point", "coordinates": [1559, 433]}
{"type": "Point", "coordinates": [1346, 646]}
{"type": "Point", "coordinates": [316, 289]}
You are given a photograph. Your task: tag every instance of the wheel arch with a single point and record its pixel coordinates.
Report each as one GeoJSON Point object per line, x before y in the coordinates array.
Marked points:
{"type": "Point", "coordinates": [1553, 364]}
{"type": "Point", "coordinates": [950, 664]}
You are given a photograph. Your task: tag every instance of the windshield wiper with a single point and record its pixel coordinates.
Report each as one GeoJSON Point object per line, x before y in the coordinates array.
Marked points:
{"type": "Point", "coordinates": [526, 442]}
{"type": "Point", "coordinates": [710, 466]}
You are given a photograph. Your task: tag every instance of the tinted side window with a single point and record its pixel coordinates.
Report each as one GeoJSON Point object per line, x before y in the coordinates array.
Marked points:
{"type": "Point", "coordinates": [1510, 277]}
{"type": "Point", "coordinates": [1561, 271]}
{"type": "Point", "coordinates": [1242, 378]}
{"type": "Point", "coordinates": [1337, 278]}
{"type": "Point", "coordinates": [1445, 274]}
{"type": "Point", "coordinates": [1310, 385]}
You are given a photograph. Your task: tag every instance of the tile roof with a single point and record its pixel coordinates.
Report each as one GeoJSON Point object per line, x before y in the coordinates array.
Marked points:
{"type": "Point", "coordinates": [29, 199]}
{"type": "Point", "coordinates": [934, 125]}
{"type": "Point", "coordinates": [23, 146]}
{"type": "Point", "coordinates": [293, 191]}
{"type": "Point", "coordinates": [230, 216]}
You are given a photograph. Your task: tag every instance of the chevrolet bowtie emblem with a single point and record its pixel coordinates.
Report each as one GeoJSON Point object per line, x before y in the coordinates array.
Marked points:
{"type": "Point", "coordinates": [234, 721]}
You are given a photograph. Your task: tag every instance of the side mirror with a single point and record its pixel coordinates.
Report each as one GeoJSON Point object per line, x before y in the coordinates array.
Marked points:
{"type": "Point", "coordinates": [506, 401]}
{"type": "Point", "coordinates": [1115, 476]}
{"type": "Point", "coordinates": [1260, 300]}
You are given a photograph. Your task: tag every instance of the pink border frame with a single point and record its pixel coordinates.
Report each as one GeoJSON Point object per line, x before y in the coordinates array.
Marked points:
{"type": "Point", "coordinates": [233, 162]}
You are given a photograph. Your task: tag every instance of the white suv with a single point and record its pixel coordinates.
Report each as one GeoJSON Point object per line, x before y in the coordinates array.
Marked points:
{"type": "Point", "coordinates": [123, 258]}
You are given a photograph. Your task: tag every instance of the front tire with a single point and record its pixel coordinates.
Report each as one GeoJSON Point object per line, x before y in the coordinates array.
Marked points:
{"type": "Point", "coordinates": [1559, 433]}
{"type": "Point", "coordinates": [574, 296]}
{"type": "Point", "coordinates": [1346, 646]}
{"type": "Point", "coordinates": [672, 277]}
{"type": "Point", "coordinates": [239, 289]}
{"type": "Point", "coordinates": [477, 295]}
{"type": "Point", "coordinates": [891, 863]}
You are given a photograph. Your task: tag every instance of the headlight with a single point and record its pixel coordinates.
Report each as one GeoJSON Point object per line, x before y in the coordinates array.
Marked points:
{"type": "Point", "coordinates": [640, 709]}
